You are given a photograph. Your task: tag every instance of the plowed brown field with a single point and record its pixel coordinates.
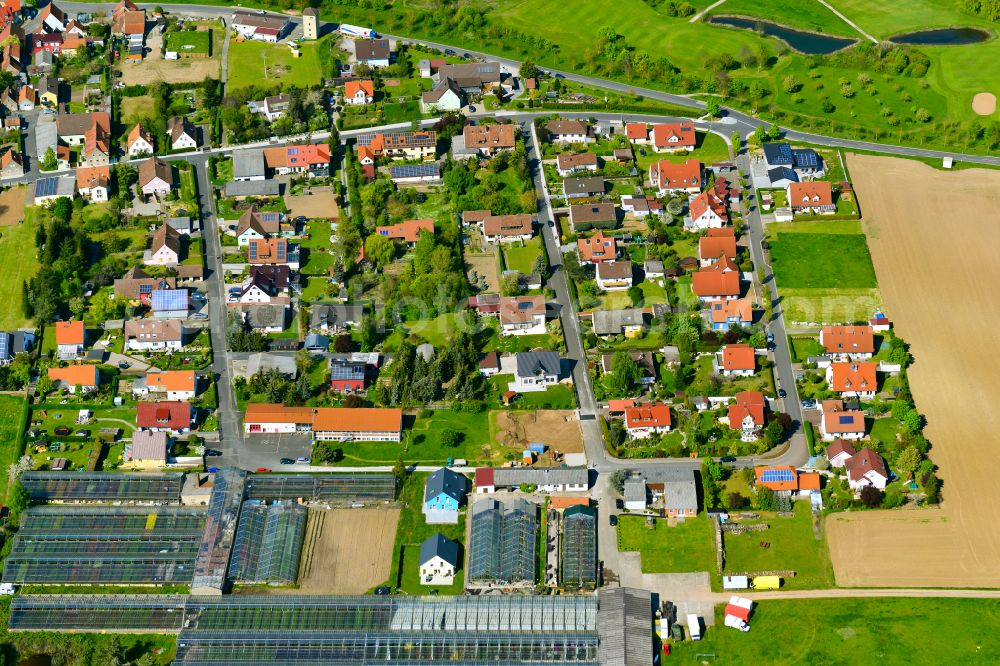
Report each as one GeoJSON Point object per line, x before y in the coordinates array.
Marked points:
{"type": "Point", "coordinates": [935, 241]}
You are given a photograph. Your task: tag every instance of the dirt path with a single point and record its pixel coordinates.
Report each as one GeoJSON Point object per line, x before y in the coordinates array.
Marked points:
{"type": "Point", "coordinates": [936, 250]}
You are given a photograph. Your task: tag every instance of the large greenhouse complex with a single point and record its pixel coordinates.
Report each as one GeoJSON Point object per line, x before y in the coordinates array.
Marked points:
{"type": "Point", "coordinates": [344, 487]}
{"type": "Point", "coordinates": [268, 543]}
{"type": "Point", "coordinates": [578, 548]}
{"type": "Point", "coordinates": [504, 541]}
{"type": "Point", "coordinates": [102, 487]}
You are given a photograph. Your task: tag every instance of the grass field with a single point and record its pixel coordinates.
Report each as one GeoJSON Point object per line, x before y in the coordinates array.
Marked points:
{"type": "Point", "coordinates": [822, 261]}
{"type": "Point", "coordinates": [10, 422]}
{"type": "Point", "coordinates": [854, 632]}
{"type": "Point", "coordinates": [710, 148]}
{"type": "Point", "coordinates": [793, 546]}
{"type": "Point", "coordinates": [829, 306]}
{"type": "Point", "coordinates": [17, 256]}
{"type": "Point", "coordinates": [189, 41]}
{"type": "Point", "coordinates": [260, 64]}
{"type": "Point", "coordinates": [520, 257]}
{"type": "Point", "coordinates": [801, 14]}
{"type": "Point", "coordinates": [422, 441]}
{"type": "Point", "coordinates": [683, 548]}
{"type": "Point", "coordinates": [134, 108]}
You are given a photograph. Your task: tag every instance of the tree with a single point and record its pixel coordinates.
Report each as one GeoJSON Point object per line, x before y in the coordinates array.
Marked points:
{"type": "Point", "coordinates": [675, 206]}
{"type": "Point", "coordinates": [49, 162]}
{"type": "Point", "coordinates": [713, 469]}
{"type": "Point", "coordinates": [344, 344]}
{"type": "Point", "coordinates": [541, 265]}
{"type": "Point", "coordinates": [450, 438]}
{"type": "Point", "coordinates": [763, 499]}
{"type": "Point", "coordinates": [713, 108]}
{"type": "Point", "coordinates": [789, 84]}
{"type": "Point", "coordinates": [735, 501]}
{"type": "Point", "coordinates": [618, 480]}
{"type": "Point", "coordinates": [900, 408]}
{"type": "Point", "coordinates": [528, 69]}
{"type": "Point", "coordinates": [510, 285]}
{"type": "Point", "coordinates": [399, 471]}
{"type": "Point", "coordinates": [774, 132]}
{"type": "Point", "coordinates": [912, 421]}
{"type": "Point", "coordinates": [737, 141]}
{"type": "Point", "coordinates": [44, 384]}
{"type": "Point", "coordinates": [625, 374]}
{"type": "Point", "coordinates": [871, 496]}
{"type": "Point", "coordinates": [379, 250]}
{"type": "Point", "coordinates": [18, 499]}
{"type": "Point", "coordinates": [908, 461]}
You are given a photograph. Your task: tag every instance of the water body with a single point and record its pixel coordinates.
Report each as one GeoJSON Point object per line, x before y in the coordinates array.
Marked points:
{"type": "Point", "coordinates": [810, 43]}
{"type": "Point", "coordinates": [943, 37]}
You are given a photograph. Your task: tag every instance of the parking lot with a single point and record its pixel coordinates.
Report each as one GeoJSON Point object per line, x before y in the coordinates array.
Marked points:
{"type": "Point", "coordinates": [267, 451]}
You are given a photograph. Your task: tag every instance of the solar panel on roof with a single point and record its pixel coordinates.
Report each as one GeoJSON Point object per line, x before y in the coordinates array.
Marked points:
{"type": "Point", "coordinates": [46, 187]}
{"type": "Point", "coordinates": [253, 251]}
{"type": "Point", "coordinates": [281, 251]}
{"type": "Point", "coordinates": [170, 299]}
{"type": "Point", "coordinates": [846, 420]}
{"type": "Point", "coordinates": [776, 475]}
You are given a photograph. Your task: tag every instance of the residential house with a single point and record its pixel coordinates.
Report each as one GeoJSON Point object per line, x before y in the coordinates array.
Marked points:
{"type": "Point", "coordinates": [74, 378]}
{"type": "Point", "coordinates": [48, 91]}
{"type": "Point", "coordinates": [275, 106]}
{"type": "Point", "coordinates": [73, 129]}
{"type": "Point", "coordinates": [736, 360]}
{"type": "Point", "coordinates": [839, 453]}
{"type": "Point", "coordinates": [139, 142]}
{"type": "Point", "coordinates": [148, 449]}
{"type": "Point", "coordinates": [334, 318]}
{"type": "Point", "coordinates": [474, 77]}
{"type": "Point", "coordinates": [507, 228]}
{"type": "Point", "coordinates": [311, 158]}
{"type": "Point", "coordinates": [669, 178]}
{"type": "Point", "coordinates": [569, 131]}
{"type": "Point", "coordinates": [169, 384]}
{"type": "Point", "coordinates": [631, 322]}
{"type": "Point", "coordinates": [576, 188]}
{"type": "Point", "coordinates": [70, 339]}
{"type": "Point", "coordinates": [866, 468]}
{"type": "Point", "coordinates": [838, 423]}
{"type": "Point", "coordinates": [644, 359]}
{"type": "Point", "coordinates": [183, 225]}
{"type": "Point", "coordinates": [673, 137]}
{"type": "Point", "coordinates": [259, 26]}
{"type": "Point", "coordinates": [596, 249]}
{"type": "Point", "coordinates": [584, 217]}
{"type": "Point", "coordinates": [11, 164]}
{"type": "Point", "coordinates": [522, 315]}
{"type": "Point", "coordinates": [635, 493]}
{"type": "Point", "coordinates": [347, 376]}
{"type": "Point", "coordinates": [94, 183]}
{"type": "Point", "coordinates": [637, 133]}
{"type": "Point", "coordinates": [248, 165]}
{"type": "Point", "coordinates": [165, 250]}
{"type": "Point", "coordinates": [720, 281]}
{"type": "Point", "coordinates": [486, 304]}
{"type": "Point", "coordinates": [640, 207]}
{"type": "Point", "coordinates": [97, 141]}
{"type": "Point", "coordinates": [646, 420]}
{"type": "Point", "coordinates": [613, 276]}
{"type": "Point", "coordinates": [535, 371]}
{"type": "Point", "coordinates": [726, 190]}
{"type": "Point", "coordinates": [169, 303]}
{"type": "Point", "coordinates": [707, 211]}
{"type": "Point", "coordinates": [137, 285]}
{"type": "Point", "coordinates": [273, 251]}
{"type": "Point", "coordinates": [266, 317]}
{"type": "Point", "coordinates": [724, 314]}
{"type": "Point", "coordinates": [166, 416]}
{"type": "Point", "coordinates": [407, 231]}
{"type": "Point", "coordinates": [569, 164]}
{"type": "Point", "coordinates": [264, 284]}
{"type": "Point", "coordinates": [804, 162]}
{"type": "Point", "coordinates": [51, 18]}
{"type": "Point", "coordinates": [255, 224]}
{"type": "Point", "coordinates": [848, 343]}
{"type": "Point", "coordinates": [156, 178]}
{"type": "Point", "coordinates": [154, 335]}
{"type": "Point", "coordinates": [438, 560]}
{"type": "Point", "coordinates": [373, 52]}
{"type": "Point", "coordinates": [444, 493]}
{"type": "Point", "coordinates": [652, 269]}
{"type": "Point", "coordinates": [183, 135]}
{"type": "Point", "coordinates": [444, 96]}
{"type": "Point", "coordinates": [12, 344]}
{"type": "Point", "coordinates": [489, 364]}
{"type": "Point", "coordinates": [490, 139]}
{"type": "Point", "coordinates": [419, 145]}
{"type": "Point", "coordinates": [747, 414]}
{"type": "Point", "coordinates": [780, 479]}
{"type": "Point", "coordinates": [27, 98]}
{"type": "Point", "coordinates": [853, 379]}
{"type": "Point", "coordinates": [718, 243]}
{"type": "Point", "coordinates": [51, 189]}
{"type": "Point", "coordinates": [359, 92]}
{"type": "Point", "coordinates": [811, 198]}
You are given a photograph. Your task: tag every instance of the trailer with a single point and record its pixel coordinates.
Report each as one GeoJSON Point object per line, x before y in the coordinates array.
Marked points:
{"type": "Point", "coordinates": [735, 582]}
{"type": "Point", "coordinates": [738, 613]}
{"type": "Point", "coordinates": [766, 582]}
{"type": "Point", "coordinates": [356, 31]}
{"type": "Point", "coordinates": [694, 627]}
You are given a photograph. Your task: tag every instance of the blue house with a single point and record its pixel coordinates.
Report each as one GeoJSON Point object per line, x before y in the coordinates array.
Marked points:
{"type": "Point", "coordinates": [443, 494]}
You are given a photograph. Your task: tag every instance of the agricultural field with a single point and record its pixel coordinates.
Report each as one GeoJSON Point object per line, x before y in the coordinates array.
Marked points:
{"type": "Point", "coordinates": [17, 255]}
{"type": "Point", "coordinates": [853, 632]}
{"type": "Point", "coordinates": [271, 65]}
{"type": "Point", "coordinates": [685, 547]}
{"type": "Point", "coordinates": [822, 261]}
{"type": "Point", "coordinates": [920, 261]}
{"type": "Point", "coordinates": [788, 543]}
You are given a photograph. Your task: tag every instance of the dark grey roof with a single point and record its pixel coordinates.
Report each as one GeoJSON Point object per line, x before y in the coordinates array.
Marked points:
{"type": "Point", "coordinates": [624, 618]}
{"type": "Point", "coordinates": [446, 481]}
{"type": "Point", "coordinates": [180, 223]}
{"type": "Point", "coordinates": [781, 173]}
{"type": "Point", "coordinates": [593, 185]}
{"type": "Point", "coordinates": [540, 476]}
{"type": "Point", "coordinates": [535, 363]}
{"type": "Point", "coordinates": [335, 315]}
{"type": "Point", "coordinates": [248, 162]}
{"type": "Point", "coordinates": [778, 154]}
{"type": "Point", "coordinates": [805, 158]}
{"type": "Point", "coordinates": [679, 488]}
{"type": "Point", "coordinates": [612, 322]}
{"type": "Point", "coordinates": [253, 188]}
{"type": "Point", "coordinates": [635, 490]}
{"type": "Point", "coordinates": [317, 341]}
{"type": "Point", "coordinates": [372, 49]}
{"type": "Point", "coordinates": [439, 546]}
{"type": "Point", "coordinates": [266, 315]}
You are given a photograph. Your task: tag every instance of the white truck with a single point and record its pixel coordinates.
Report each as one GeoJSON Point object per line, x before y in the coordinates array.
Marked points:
{"type": "Point", "coordinates": [738, 613]}
{"type": "Point", "coordinates": [694, 627]}
{"type": "Point", "coordinates": [737, 623]}
{"type": "Point", "coordinates": [356, 31]}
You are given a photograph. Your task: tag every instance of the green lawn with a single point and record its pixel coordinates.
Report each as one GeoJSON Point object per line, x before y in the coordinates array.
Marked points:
{"type": "Point", "coordinates": [422, 441]}
{"type": "Point", "coordinates": [829, 306]}
{"type": "Point", "coordinates": [793, 546]}
{"type": "Point", "coordinates": [189, 41]}
{"type": "Point", "coordinates": [134, 108]}
{"type": "Point", "coordinates": [521, 257]}
{"type": "Point", "coordinates": [264, 65]}
{"type": "Point", "coordinates": [19, 259]}
{"type": "Point", "coordinates": [710, 148]}
{"type": "Point", "coordinates": [822, 261]}
{"type": "Point", "coordinates": [437, 331]}
{"type": "Point", "coordinates": [800, 14]}
{"type": "Point", "coordinates": [854, 632]}
{"type": "Point", "coordinates": [11, 411]}
{"type": "Point", "coordinates": [411, 531]}
{"type": "Point", "coordinates": [803, 347]}
{"type": "Point", "coordinates": [820, 226]}
{"type": "Point", "coordinates": [554, 397]}
{"type": "Point", "coordinates": [885, 430]}
{"type": "Point", "coordinates": [686, 547]}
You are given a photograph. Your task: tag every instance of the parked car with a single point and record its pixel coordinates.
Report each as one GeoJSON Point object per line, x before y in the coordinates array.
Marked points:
{"type": "Point", "coordinates": [782, 393]}
{"type": "Point", "coordinates": [287, 461]}
{"type": "Point", "coordinates": [212, 452]}
{"type": "Point", "coordinates": [263, 469]}
{"type": "Point", "coordinates": [199, 315]}
{"type": "Point", "coordinates": [613, 519]}
{"type": "Point", "coordinates": [382, 590]}
{"type": "Point", "coordinates": [303, 459]}
{"type": "Point", "coordinates": [728, 459]}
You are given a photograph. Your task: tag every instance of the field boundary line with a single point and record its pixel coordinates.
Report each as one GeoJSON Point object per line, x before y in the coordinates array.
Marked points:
{"type": "Point", "coordinates": [706, 10]}
{"type": "Point", "coordinates": [848, 21]}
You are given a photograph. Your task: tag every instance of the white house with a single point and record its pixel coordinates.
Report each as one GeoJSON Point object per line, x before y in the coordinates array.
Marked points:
{"type": "Point", "coordinates": [645, 420]}
{"type": "Point", "coordinates": [707, 211]}
{"type": "Point", "coordinates": [438, 560]}
{"type": "Point", "coordinates": [165, 249]}
{"type": "Point", "coordinates": [736, 360]}
{"type": "Point", "coordinates": [535, 371]}
{"type": "Point", "coordinates": [866, 468]}
{"type": "Point", "coordinates": [522, 315]}
{"type": "Point", "coordinates": [183, 135]}
{"type": "Point", "coordinates": [614, 276]}
{"type": "Point", "coordinates": [170, 384]}
{"type": "Point", "coordinates": [139, 142]}
{"type": "Point", "coordinates": [154, 335]}
{"type": "Point", "coordinates": [156, 178]}
{"type": "Point", "coordinates": [847, 343]}
{"type": "Point", "coordinates": [853, 380]}
{"type": "Point", "coordinates": [837, 423]}
{"type": "Point", "coordinates": [359, 93]}
{"type": "Point", "coordinates": [507, 228]}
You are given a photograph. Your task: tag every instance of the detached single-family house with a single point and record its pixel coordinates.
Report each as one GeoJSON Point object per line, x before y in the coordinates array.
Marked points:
{"type": "Point", "coordinates": [673, 137]}
{"type": "Point", "coordinates": [581, 188]}
{"type": "Point", "coordinates": [804, 162]}
{"type": "Point", "coordinates": [669, 178]}
{"type": "Point", "coordinates": [311, 158]}
{"type": "Point", "coordinates": [334, 318]}
{"type": "Point", "coordinates": [444, 494]}
{"type": "Point", "coordinates": [839, 453]}
{"type": "Point", "coordinates": [154, 335]}
{"type": "Point", "coordinates": [359, 92]}
{"type": "Point", "coordinates": [183, 135]}
{"type": "Point", "coordinates": [507, 228]}
{"type": "Point", "coordinates": [780, 479]}
{"type": "Point", "coordinates": [569, 131]}
{"type": "Point", "coordinates": [708, 211]}
{"type": "Point", "coordinates": [169, 384]}
{"type": "Point", "coordinates": [167, 416]}
{"type": "Point", "coordinates": [838, 423]}
{"type": "Point", "coordinates": [724, 314]}
{"type": "Point", "coordinates": [489, 364]}
{"type": "Point", "coordinates": [613, 276]}
{"type": "Point", "coordinates": [640, 207]}
{"type": "Point", "coordinates": [70, 339]}
{"type": "Point", "coordinates": [583, 217]}
{"type": "Point", "coordinates": [156, 178]}
{"type": "Point", "coordinates": [82, 378]}
{"type": "Point", "coordinates": [51, 18]}
{"type": "Point", "coordinates": [522, 315]}
{"type": "Point", "coordinates": [254, 224]}
{"type": "Point", "coordinates": [535, 371]}
{"type": "Point", "coordinates": [811, 198]}
{"type": "Point", "coordinates": [486, 304]}
{"type": "Point", "coordinates": [273, 252]}
{"type": "Point", "coordinates": [165, 249]}
{"type": "Point", "coordinates": [853, 379]}
{"type": "Point", "coordinates": [718, 243]}
{"type": "Point", "coordinates": [646, 420]}
{"type": "Point", "coordinates": [94, 183]}
{"type": "Point", "coordinates": [148, 448]}
{"type": "Point", "coordinates": [847, 343]}
{"type": "Point", "coordinates": [11, 164]}
{"type": "Point", "coordinates": [866, 468]}
{"type": "Point", "coordinates": [27, 98]}
{"type": "Point", "coordinates": [446, 95]}
{"type": "Point", "coordinates": [408, 231]}
{"type": "Point", "coordinates": [373, 52]}
{"type": "Point", "coordinates": [597, 249]}
{"type": "Point", "coordinates": [347, 376]}
{"type": "Point", "coordinates": [569, 164]}
{"type": "Point", "coordinates": [720, 281]}
{"type": "Point", "coordinates": [747, 414]}
{"type": "Point", "coordinates": [737, 360]}
{"type": "Point", "coordinates": [630, 322]}
{"type": "Point", "coordinates": [438, 560]}
{"type": "Point", "coordinates": [139, 142]}
{"type": "Point", "coordinates": [488, 140]}
{"type": "Point", "coordinates": [637, 132]}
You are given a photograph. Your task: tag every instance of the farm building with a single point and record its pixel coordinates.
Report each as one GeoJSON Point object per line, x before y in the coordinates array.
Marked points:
{"type": "Point", "coordinates": [548, 479]}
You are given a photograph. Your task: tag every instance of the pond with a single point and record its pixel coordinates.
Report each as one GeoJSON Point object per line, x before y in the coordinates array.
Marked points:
{"type": "Point", "coordinates": [943, 37]}
{"type": "Point", "coordinates": [809, 43]}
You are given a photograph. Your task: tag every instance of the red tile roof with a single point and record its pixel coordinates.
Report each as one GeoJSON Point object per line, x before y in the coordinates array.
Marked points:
{"type": "Point", "coordinates": [484, 477]}
{"type": "Point", "coordinates": [647, 416]}
{"type": "Point", "coordinates": [838, 447]}
{"type": "Point", "coordinates": [863, 462]}
{"type": "Point", "coordinates": [674, 135]}
{"type": "Point", "coordinates": [351, 88]}
{"type": "Point", "coordinates": [75, 375]}
{"type": "Point", "coordinates": [721, 311]}
{"type": "Point", "coordinates": [70, 332]}
{"type": "Point", "coordinates": [597, 248]}
{"type": "Point", "coordinates": [720, 279]}
{"type": "Point", "coordinates": [620, 405]}
{"type": "Point", "coordinates": [738, 357]}
{"type": "Point", "coordinates": [748, 403]}
{"type": "Point", "coordinates": [174, 415]}
{"type": "Point", "coordinates": [408, 230]}
{"type": "Point", "coordinates": [854, 377]}
{"type": "Point", "coordinates": [714, 246]}
{"type": "Point", "coordinates": [634, 131]}
{"type": "Point", "coordinates": [358, 419]}
{"type": "Point", "coordinates": [172, 380]}
{"type": "Point", "coordinates": [777, 485]}
{"type": "Point", "coordinates": [667, 175]}
{"type": "Point", "coordinates": [810, 194]}
{"type": "Point", "coordinates": [809, 481]}
{"type": "Point", "coordinates": [707, 200]}
{"type": "Point", "coordinates": [848, 339]}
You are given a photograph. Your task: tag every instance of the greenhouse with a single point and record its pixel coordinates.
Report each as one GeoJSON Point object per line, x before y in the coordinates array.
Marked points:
{"type": "Point", "coordinates": [578, 555]}
{"type": "Point", "coordinates": [102, 487]}
{"type": "Point", "coordinates": [268, 543]}
{"type": "Point", "coordinates": [504, 539]}
{"type": "Point", "coordinates": [346, 487]}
